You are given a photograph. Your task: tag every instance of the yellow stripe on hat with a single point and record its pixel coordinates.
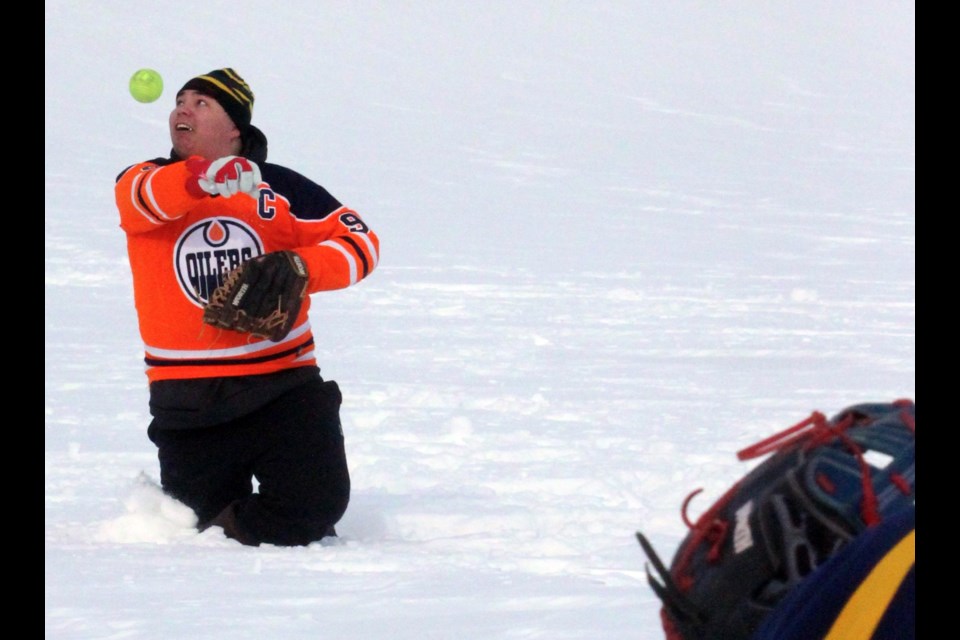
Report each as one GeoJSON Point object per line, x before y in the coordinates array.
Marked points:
{"type": "Point", "coordinates": [240, 97]}
{"type": "Point", "coordinates": [236, 78]}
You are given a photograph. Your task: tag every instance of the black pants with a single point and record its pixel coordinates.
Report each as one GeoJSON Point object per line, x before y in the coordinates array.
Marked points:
{"type": "Point", "coordinates": [293, 446]}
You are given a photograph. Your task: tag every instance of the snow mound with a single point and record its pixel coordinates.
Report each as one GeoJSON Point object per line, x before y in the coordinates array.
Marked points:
{"type": "Point", "coordinates": [152, 516]}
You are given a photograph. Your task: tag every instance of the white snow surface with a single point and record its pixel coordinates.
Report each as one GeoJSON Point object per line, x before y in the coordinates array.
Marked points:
{"type": "Point", "coordinates": [621, 240]}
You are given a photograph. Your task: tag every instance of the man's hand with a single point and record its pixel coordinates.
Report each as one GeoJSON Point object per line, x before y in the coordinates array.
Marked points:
{"type": "Point", "coordinates": [226, 176]}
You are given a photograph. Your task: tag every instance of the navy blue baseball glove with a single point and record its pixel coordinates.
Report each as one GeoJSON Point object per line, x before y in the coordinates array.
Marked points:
{"type": "Point", "coordinates": [825, 482]}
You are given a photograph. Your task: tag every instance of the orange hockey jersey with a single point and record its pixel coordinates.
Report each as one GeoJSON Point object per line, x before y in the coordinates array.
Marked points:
{"type": "Point", "coordinates": [182, 246]}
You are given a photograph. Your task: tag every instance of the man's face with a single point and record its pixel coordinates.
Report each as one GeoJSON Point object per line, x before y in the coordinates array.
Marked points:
{"type": "Point", "coordinates": [199, 126]}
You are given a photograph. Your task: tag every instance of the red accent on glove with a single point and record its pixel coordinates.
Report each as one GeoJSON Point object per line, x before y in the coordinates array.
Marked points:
{"type": "Point", "coordinates": [197, 166]}
{"type": "Point", "coordinates": [232, 169]}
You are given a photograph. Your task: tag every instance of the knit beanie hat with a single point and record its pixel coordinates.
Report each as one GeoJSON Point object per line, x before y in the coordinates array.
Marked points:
{"type": "Point", "coordinates": [230, 90]}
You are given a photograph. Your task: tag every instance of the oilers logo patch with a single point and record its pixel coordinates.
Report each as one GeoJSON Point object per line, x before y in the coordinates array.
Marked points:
{"type": "Point", "coordinates": [210, 249]}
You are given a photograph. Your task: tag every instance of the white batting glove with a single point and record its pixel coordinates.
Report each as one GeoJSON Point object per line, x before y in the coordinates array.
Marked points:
{"type": "Point", "coordinates": [230, 175]}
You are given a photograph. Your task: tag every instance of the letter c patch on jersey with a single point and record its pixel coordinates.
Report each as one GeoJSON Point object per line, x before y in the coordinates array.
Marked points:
{"type": "Point", "coordinates": [267, 204]}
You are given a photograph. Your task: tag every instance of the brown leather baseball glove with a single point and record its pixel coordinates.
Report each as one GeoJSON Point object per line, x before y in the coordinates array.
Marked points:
{"type": "Point", "coordinates": [261, 297]}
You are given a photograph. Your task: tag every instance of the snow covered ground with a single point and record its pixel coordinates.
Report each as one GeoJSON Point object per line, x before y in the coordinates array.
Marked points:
{"type": "Point", "coordinates": [621, 240]}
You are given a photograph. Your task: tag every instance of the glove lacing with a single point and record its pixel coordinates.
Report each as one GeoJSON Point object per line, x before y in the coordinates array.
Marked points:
{"type": "Point", "coordinates": [817, 430]}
